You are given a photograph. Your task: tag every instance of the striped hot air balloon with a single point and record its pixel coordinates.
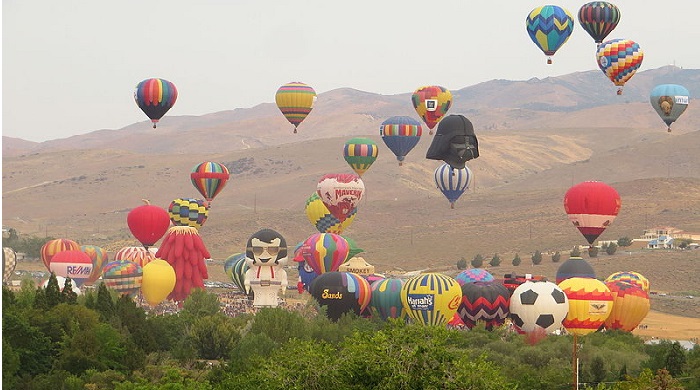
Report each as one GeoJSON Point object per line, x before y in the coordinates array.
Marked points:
{"type": "Point", "coordinates": [136, 254]}
{"type": "Point", "coordinates": [630, 306]}
{"type": "Point", "coordinates": [630, 277]}
{"type": "Point", "coordinates": [325, 252]}
{"type": "Point", "coordinates": [592, 206]}
{"type": "Point", "coordinates": [51, 247]}
{"type": "Point", "coordinates": [386, 298]}
{"type": "Point", "coordinates": [209, 178]}
{"type": "Point", "coordinates": [400, 134]}
{"type": "Point", "coordinates": [99, 258]}
{"type": "Point", "coordinates": [431, 298]}
{"type": "Point", "coordinates": [590, 304]}
{"type": "Point", "coordinates": [619, 60]}
{"type": "Point", "coordinates": [360, 153]}
{"type": "Point", "coordinates": [452, 182]}
{"type": "Point", "coordinates": [235, 267]}
{"type": "Point", "coordinates": [487, 302]}
{"type": "Point", "coordinates": [123, 276]}
{"type": "Point", "coordinates": [155, 97]}
{"type": "Point", "coordinates": [598, 18]}
{"type": "Point", "coordinates": [295, 100]}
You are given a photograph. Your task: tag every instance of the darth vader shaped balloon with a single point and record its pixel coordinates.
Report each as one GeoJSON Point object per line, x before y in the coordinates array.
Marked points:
{"type": "Point", "coordinates": [454, 142]}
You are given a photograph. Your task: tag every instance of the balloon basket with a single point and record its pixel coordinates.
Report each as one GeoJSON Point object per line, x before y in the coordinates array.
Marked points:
{"type": "Point", "coordinates": [619, 92]}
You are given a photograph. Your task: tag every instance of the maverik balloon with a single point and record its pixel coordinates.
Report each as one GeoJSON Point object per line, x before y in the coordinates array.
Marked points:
{"type": "Point", "coordinates": [431, 103]}
{"type": "Point", "coordinates": [400, 134]}
{"type": "Point", "coordinates": [360, 153]}
{"type": "Point", "coordinates": [598, 18]}
{"type": "Point", "coordinates": [341, 193]}
{"type": "Point", "coordinates": [295, 100]}
{"type": "Point", "coordinates": [155, 97]}
{"type": "Point", "coordinates": [669, 101]}
{"type": "Point", "coordinates": [590, 304]}
{"type": "Point", "coordinates": [592, 206]}
{"type": "Point", "coordinates": [148, 223]}
{"type": "Point", "coordinates": [157, 282]}
{"type": "Point", "coordinates": [452, 182]}
{"type": "Point", "coordinates": [209, 178]}
{"type": "Point", "coordinates": [322, 219]}
{"type": "Point", "coordinates": [619, 60]}
{"type": "Point", "coordinates": [549, 26]}
{"type": "Point", "coordinates": [431, 298]}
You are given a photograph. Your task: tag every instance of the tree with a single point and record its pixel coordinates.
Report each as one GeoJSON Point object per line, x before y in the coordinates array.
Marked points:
{"type": "Point", "coordinates": [213, 336]}
{"type": "Point", "coordinates": [200, 304]}
{"type": "Point", "coordinates": [495, 260]}
{"type": "Point", "coordinates": [576, 252]}
{"type": "Point", "coordinates": [67, 294]}
{"type": "Point", "coordinates": [675, 360]}
{"type": "Point", "coordinates": [556, 257]}
{"type": "Point", "coordinates": [611, 249]}
{"type": "Point", "coordinates": [478, 261]}
{"type": "Point", "coordinates": [536, 257]}
{"type": "Point", "coordinates": [462, 264]}
{"type": "Point", "coordinates": [516, 260]}
{"type": "Point", "coordinates": [683, 243]}
{"type": "Point", "coordinates": [53, 292]}
{"type": "Point", "coordinates": [105, 304]}
{"type": "Point", "coordinates": [597, 368]}
{"type": "Point", "coordinates": [624, 242]}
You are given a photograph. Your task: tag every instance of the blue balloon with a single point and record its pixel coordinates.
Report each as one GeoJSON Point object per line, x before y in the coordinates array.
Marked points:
{"type": "Point", "coordinates": [452, 182]}
{"type": "Point", "coordinates": [401, 134]}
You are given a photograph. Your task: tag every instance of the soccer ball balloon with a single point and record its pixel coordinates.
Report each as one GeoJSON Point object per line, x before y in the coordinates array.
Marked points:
{"type": "Point", "coordinates": [536, 306]}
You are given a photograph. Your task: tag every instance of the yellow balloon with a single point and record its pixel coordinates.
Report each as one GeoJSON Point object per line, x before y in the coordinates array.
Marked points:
{"type": "Point", "coordinates": [590, 304]}
{"type": "Point", "coordinates": [322, 219]}
{"type": "Point", "coordinates": [158, 281]}
{"type": "Point", "coordinates": [631, 306]}
{"type": "Point", "coordinates": [431, 298]}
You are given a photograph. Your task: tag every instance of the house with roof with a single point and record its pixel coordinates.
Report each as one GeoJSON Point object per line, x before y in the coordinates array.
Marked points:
{"type": "Point", "coordinates": [665, 237]}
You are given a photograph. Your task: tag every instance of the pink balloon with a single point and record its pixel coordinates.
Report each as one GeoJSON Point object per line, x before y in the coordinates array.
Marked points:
{"type": "Point", "coordinates": [325, 252]}
{"type": "Point", "coordinates": [341, 193]}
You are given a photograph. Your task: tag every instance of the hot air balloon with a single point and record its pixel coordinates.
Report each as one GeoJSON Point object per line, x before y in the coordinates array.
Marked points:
{"type": "Point", "coordinates": [61, 281]}
{"type": "Point", "coordinates": [188, 212]}
{"type": "Point", "coordinates": [354, 248]}
{"type": "Point", "coordinates": [360, 153]}
{"type": "Point", "coordinates": [341, 193]}
{"type": "Point", "coordinates": [630, 306]}
{"type": "Point", "coordinates": [325, 252]}
{"type": "Point", "coordinates": [455, 142]}
{"type": "Point", "coordinates": [136, 254]}
{"type": "Point", "coordinates": [598, 18]}
{"type": "Point", "coordinates": [538, 307]}
{"type": "Point", "coordinates": [99, 258]}
{"type": "Point", "coordinates": [295, 100]}
{"type": "Point", "coordinates": [549, 26]}
{"type": "Point", "coordinates": [452, 182]}
{"type": "Point", "coordinates": [184, 250]}
{"type": "Point", "coordinates": [619, 59]}
{"type": "Point", "coordinates": [51, 247]}
{"type": "Point", "coordinates": [341, 293]}
{"type": "Point", "coordinates": [236, 267]}
{"type": "Point", "coordinates": [9, 263]}
{"type": "Point", "coordinates": [400, 134]}
{"type": "Point", "coordinates": [431, 103]}
{"type": "Point", "coordinates": [386, 298]}
{"type": "Point", "coordinates": [487, 302]}
{"type": "Point", "coordinates": [473, 275]}
{"type": "Point", "coordinates": [155, 97]}
{"type": "Point", "coordinates": [209, 178]}
{"type": "Point", "coordinates": [306, 273]}
{"type": "Point", "coordinates": [157, 282]}
{"type": "Point", "coordinates": [630, 277]}
{"type": "Point", "coordinates": [73, 264]}
{"type": "Point", "coordinates": [123, 276]}
{"type": "Point", "coordinates": [148, 223]}
{"type": "Point", "coordinates": [669, 101]}
{"type": "Point", "coordinates": [574, 267]}
{"type": "Point", "coordinates": [431, 298]}
{"type": "Point", "coordinates": [591, 206]}
{"type": "Point", "coordinates": [322, 219]}
{"type": "Point", "coordinates": [590, 304]}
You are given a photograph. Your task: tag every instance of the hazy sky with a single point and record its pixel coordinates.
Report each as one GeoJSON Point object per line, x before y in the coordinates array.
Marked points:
{"type": "Point", "coordinates": [70, 67]}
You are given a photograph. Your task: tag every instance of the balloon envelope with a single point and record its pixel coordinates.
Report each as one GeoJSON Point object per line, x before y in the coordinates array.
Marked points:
{"type": "Point", "coordinates": [431, 298]}
{"type": "Point", "coordinates": [630, 306]}
{"type": "Point", "coordinates": [9, 263]}
{"type": "Point", "coordinates": [51, 247]}
{"type": "Point", "coordinates": [487, 302]}
{"type": "Point", "coordinates": [123, 276]}
{"type": "Point", "coordinates": [235, 267]}
{"type": "Point", "coordinates": [630, 277]}
{"type": "Point", "coordinates": [136, 254]}
{"type": "Point", "coordinates": [669, 101]}
{"type": "Point", "coordinates": [188, 212]}
{"type": "Point", "coordinates": [431, 102]}
{"type": "Point", "coordinates": [452, 182]}
{"type": "Point", "coordinates": [473, 275]}
{"type": "Point", "coordinates": [598, 19]}
{"type": "Point", "coordinates": [538, 306]}
{"type": "Point", "coordinates": [157, 282]}
{"type": "Point", "coordinates": [400, 134]}
{"type": "Point", "coordinates": [341, 193]}
{"type": "Point", "coordinates": [592, 206]}
{"type": "Point", "coordinates": [295, 100]}
{"type": "Point", "coordinates": [386, 298]}
{"type": "Point", "coordinates": [340, 293]}
{"type": "Point", "coordinates": [360, 153]}
{"type": "Point", "coordinates": [322, 219]}
{"type": "Point", "coordinates": [590, 304]}
{"type": "Point", "coordinates": [155, 97]}
{"type": "Point", "coordinates": [99, 258]}
{"type": "Point", "coordinates": [73, 264]}
{"type": "Point", "coordinates": [619, 59]}
{"type": "Point", "coordinates": [549, 27]}
{"type": "Point", "coordinates": [148, 223]}
{"type": "Point", "coordinates": [574, 267]}
{"type": "Point", "coordinates": [325, 252]}
{"type": "Point", "coordinates": [209, 178]}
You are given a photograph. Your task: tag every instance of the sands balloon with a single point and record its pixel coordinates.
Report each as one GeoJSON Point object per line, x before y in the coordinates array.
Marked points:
{"type": "Point", "coordinates": [72, 264]}
{"type": "Point", "coordinates": [188, 212]}
{"type": "Point", "coordinates": [341, 293]}
{"type": "Point", "coordinates": [360, 153]}
{"type": "Point", "coordinates": [99, 258]}
{"type": "Point", "coordinates": [148, 223]}
{"type": "Point", "coordinates": [630, 277]}
{"type": "Point", "coordinates": [386, 298]}
{"type": "Point", "coordinates": [590, 304]}
{"type": "Point", "coordinates": [157, 282]}
{"type": "Point", "coordinates": [341, 193]}
{"type": "Point", "coordinates": [431, 298]}
{"type": "Point", "coordinates": [136, 254]}
{"type": "Point", "coordinates": [325, 222]}
{"type": "Point", "coordinates": [431, 103]}
{"type": "Point", "coordinates": [52, 247]}
{"type": "Point", "coordinates": [473, 275]}
{"type": "Point", "coordinates": [325, 252]}
{"type": "Point", "coordinates": [484, 302]}
{"type": "Point", "coordinates": [538, 307]}
{"type": "Point", "coordinates": [123, 276]}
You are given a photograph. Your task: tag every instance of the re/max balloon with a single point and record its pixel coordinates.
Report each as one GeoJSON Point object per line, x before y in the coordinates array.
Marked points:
{"type": "Point", "coordinates": [51, 247]}
{"type": "Point", "coordinates": [592, 206]}
{"type": "Point", "coordinates": [619, 60]}
{"type": "Point", "coordinates": [155, 97]}
{"type": "Point", "coordinates": [295, 100]}
{"type": "Point", "coordinates": [400, 134]}
{"type": "Point", "coordinates": [549, 26]}
{"type": "Point", "coordinates": [669, 101]}
{"type": "Point", "coordinates": [73, 264]}
{"type": "Point", "coordinates": [598, 18]}
{"type": "Point", "coordinates": [209, 178]}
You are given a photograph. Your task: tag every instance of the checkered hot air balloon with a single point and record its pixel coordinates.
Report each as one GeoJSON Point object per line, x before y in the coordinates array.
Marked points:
{"type": "Point", "coordinates": [431, 102]}
{"type": "Point", "coordinates": [9, 262]}
{"type": "Point", "coordinates": [123, 276]}
{"type": "Point", "coordinates": [188, 212]}
{"type": "Point", "coordinates": [619, 60]}
{"type": "Point", "coordinates": [295, 100]}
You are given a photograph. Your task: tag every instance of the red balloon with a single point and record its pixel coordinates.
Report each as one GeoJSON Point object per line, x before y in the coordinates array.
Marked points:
{"type": "Point", "coordinates": [148, 223]}
{"type": "Point", "coordinates": [592, 206]}
{"type": "Point", "coordinates": [74, 264]}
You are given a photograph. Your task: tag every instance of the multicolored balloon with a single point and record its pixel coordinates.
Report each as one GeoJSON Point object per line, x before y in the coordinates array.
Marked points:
{"type": "Point", "coordinates": [235, 267]}
{"type": "Point", "coordinates": [669, 101]}
{"type": "Point", "coordinates": [630, 277]}
{"type": "Point", "coordinates": [99, 258]}
{"type": "Point", "coordinates": [136, 254]}
{"type": "Point", "coordinates": [590, 304]}
{"type": "Point", "coordinates": [341, 293]}
{"type": "Point", "coordinates": [574, 267]}
{"type": "Point", "coordinates": [155, 97]}
{"type": "Point", "coordinates": [209, 178]}
{"type": "Point", "coordinates": [51, 247]}
{"type": "Point", "coordinates": [619, 60]}
{"type": "Point", "coordinates": [630, 306]}
{"type": "Point", "coordinates": [322, 219]}
{"type": "Point", "coordinates": [591, 206]}
{"type": "Point", "coordinates": [360, 153]}
{"type": "Point", "coordinates": [148, 223]}
{"type": "Point", "coordinates": [74, 264]}
{"type": "Point", "coordinates": [188, 212]}
{"type": "Point", "coordinates": [9, 263]}
{"type": "Point", "coordinates": [386, 298]}
{"type": "Point", "coordinates": [452, 182]}
{"type": "Point", "coordinates": [325, 252]}
{"type": "Point", "coordinates": [473, 275]}
{"type": "Point", "coordinates": [487, 302]}
{"type": "Point", "coordinates": [123, 276]}
{"type": "Point", "coordinates": [400, 134]}
{"type": "Point", "coordinates": [549, 26]}
{"type": "Point", "coordinates": [431, 103]}
{"type": "Point", "coordinates": [598, 18]}
{"type": "Point", "coordinates": [157, 282]}
{"type": "Point", "coordinates": [341, 193]}
{"type": "Point", "coordinates": [295, 100]}
{"type": "Point", "coordinates": [431, 298]}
